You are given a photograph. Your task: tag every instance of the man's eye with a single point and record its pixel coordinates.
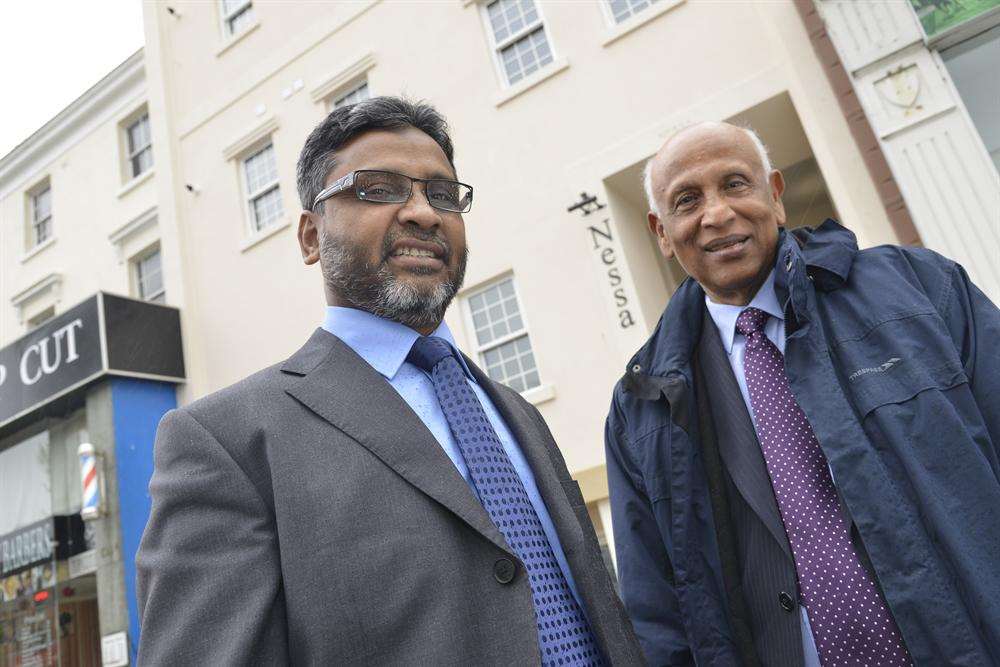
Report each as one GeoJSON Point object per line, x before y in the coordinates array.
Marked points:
{"type": "Point", "coordinates": [736, 183]}
{"type": "Point", "coordinates": [685, 201]}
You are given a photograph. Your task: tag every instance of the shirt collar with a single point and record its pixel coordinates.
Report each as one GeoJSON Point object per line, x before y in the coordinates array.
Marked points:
{"type": "Point", "coordinates": [725, 315]}
{"type": "Point", "coordinates": [384, 344]}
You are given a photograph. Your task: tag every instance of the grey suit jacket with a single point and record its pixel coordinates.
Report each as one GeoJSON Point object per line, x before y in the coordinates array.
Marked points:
{"type": "Point", "coordinates": [306, 515]}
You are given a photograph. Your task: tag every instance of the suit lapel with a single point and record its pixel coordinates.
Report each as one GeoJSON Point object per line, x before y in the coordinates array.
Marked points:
{"type": "Point", "coordinates": [738, 444]}
{"type": "Point", "coordinates": [341, 388]}
{"type": "Point", "coordinates": [543, 456]}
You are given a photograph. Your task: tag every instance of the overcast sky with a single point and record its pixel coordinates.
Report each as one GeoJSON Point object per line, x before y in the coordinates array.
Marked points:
{"type": "Point", "coordinates": [52, 51]}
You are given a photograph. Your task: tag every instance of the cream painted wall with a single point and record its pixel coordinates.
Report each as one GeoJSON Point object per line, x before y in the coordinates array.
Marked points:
{"type": "Point", "coordinates": [89, 203]}
{"type": "Point", "coordinates": [602, 107]}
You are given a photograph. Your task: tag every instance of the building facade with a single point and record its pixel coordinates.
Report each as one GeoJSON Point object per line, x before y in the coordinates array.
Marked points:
{"type": "Point", "coordinates": [554, 108]}
{"type": "Point", "coordinates": [89, 361]}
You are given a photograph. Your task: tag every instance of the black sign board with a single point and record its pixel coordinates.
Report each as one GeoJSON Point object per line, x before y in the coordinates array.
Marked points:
{"type": "Point", "coordinates": [105, 334]}
{"type": "Point", "coordinates": [36, 543]}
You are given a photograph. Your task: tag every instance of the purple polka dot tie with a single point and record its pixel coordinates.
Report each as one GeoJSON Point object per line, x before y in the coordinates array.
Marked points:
{"type": "Point", "coordinates": [564, 636]}
{"type": "Point", "coordinates": [850, 621]}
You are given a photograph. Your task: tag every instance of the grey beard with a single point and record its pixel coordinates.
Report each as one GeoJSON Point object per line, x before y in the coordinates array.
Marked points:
{"type": "Point", "coordinates": [377, 290]}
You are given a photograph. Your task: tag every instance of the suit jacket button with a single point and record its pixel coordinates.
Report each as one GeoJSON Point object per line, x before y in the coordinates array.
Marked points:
{"type": "Point", "coordinates": [786, 601]}
{"type": "Point", "coordinates": [504, 570]}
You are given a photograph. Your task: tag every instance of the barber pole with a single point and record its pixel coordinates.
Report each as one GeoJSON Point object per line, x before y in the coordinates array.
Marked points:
{"type": "Point", "coordinates": [90, 480]}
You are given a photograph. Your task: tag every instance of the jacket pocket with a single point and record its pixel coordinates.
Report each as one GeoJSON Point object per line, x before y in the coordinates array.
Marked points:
{"type": "Point", "coordinates": [897, 359]}
{"type": "Point", "coordinates": [894, 386]}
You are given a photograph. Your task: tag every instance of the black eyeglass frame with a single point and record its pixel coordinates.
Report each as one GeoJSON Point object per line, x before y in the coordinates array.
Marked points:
{"type": "Point", "coordinates": [346, 182]}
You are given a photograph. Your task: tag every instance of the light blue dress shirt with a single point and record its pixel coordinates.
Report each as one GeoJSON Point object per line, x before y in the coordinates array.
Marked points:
{"type": "Point", "coordinates": [734, 343]}
{"type": "Point", "coordinates": [385, 344]}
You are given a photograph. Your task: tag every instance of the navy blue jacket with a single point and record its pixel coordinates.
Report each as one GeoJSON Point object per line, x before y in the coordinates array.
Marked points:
{"type": "Point", "coordinates": [894, 355]}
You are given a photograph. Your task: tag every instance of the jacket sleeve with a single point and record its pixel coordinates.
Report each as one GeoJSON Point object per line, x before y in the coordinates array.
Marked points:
{"type": "Point", "coordinates": [644, 569]}
{"type": "Point", "coordinates": [208, 575]}
{"type": "Point", "coordinates": [974, 322]}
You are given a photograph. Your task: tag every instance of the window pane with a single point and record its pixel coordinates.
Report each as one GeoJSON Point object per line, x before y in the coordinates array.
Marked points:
{"type": "Point", "coordinates": [526, 55]}
{"type": "Point", "coordinates": [359, 94]}
{"type": "Point", "coordinates": [138, 135]}
{"type": "Point", "coordinates": [513, 364]}
{"type": "Point", "coordinates": [267, 208]}
{"type": "Point", "coordinates": [240, 20]}
{"type": "Point", "coordinates": [42, 204]}
{"type": "Point", "coordinates": [508, 17]}
{"type": "Point", "coordinates": [973, 66]}
{"type": "Point", "coordinates": [261, 169]}
{"type": "Point", "coordinates": [43, 230]}
{"type": "Point", "coordinates": [150, 277]}
{"type": "Point", "coordinates": [623, 9]}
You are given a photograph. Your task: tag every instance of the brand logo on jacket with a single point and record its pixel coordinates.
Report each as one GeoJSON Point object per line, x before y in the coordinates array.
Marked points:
{"type": "Point", "coordinates": [874, 369]}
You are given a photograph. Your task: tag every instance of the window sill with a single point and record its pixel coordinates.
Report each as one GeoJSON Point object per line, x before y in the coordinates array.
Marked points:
{"type": "Point", "coordinates": [136, 182]}
{"type": "Point", "coordinates": [47, 243]}
{"type": "Point", "coordinates": [543, 393]}
{"type": "Point", "coordinates": [264, 235]}
{"type": "Point", "coordinates": [233, 39]}
{"type": "Point", "coordinates": [526, 84]}
{"type": "Point", "coordinates": [639, 20]}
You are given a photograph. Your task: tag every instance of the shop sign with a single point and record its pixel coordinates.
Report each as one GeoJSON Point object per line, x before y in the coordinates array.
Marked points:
{"type": "Point", "coordinates": [105, 334]}
{"type": "Point", "coordinates": [56, 537]}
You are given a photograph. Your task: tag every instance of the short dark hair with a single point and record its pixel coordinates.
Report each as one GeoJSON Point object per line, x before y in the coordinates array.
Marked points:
{"type": "Point", "coordinates": [318, 156]}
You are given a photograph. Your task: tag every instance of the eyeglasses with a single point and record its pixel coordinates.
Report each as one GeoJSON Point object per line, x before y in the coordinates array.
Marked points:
{"type": "Point", "coordinates": [386, 187]}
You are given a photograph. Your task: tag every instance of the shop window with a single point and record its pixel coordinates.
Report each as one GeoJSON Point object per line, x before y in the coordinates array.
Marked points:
{"type": "Point", "coordinates": [149, 277]}
{"type": "Point", "coordinates": [520, 43]}
{"type": "Point", "coordinates": [237, 16]}
{"type": "Point", "coordinates": [622, 10]}
{"type": "Point", "coordinates": [139, 146]}
{"type": "Point", "coordinates": [502, 341]}
{"type": "Point", "coordinates": [973, 65]}
{"type": "Point", "coordinates": [263, 194]}
{"type": "Point", "coordinates": [40, 215]}
{"type": "Point", "coordinates": [355, 94]}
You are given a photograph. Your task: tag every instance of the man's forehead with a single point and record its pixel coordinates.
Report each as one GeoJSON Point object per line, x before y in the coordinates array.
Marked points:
{"type": "Point", "coordinates": [701, 146]}
{"type": "Point", "coordinates": [406, 150]}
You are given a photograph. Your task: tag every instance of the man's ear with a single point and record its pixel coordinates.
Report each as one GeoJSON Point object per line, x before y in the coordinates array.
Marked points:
{"type": "Point", "coordinates": [662, 240]}
{"type": "Point", "coordinates": [776, 187]}
{"type": "Point", "coordinates": [309, 236]}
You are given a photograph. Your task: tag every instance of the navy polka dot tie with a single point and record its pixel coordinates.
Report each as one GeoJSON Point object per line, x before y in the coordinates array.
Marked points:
{"type": "Point", "coordinates": [850, 621]}
{"type": "Point", "coordinates": [564, 635]}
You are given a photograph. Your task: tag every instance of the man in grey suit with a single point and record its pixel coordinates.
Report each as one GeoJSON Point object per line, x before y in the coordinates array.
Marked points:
{"type": "Point", "coordinates": [376, 498]}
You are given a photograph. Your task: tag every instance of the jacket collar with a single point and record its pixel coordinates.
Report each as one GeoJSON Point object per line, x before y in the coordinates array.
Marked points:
{"type": "Point", "coordinates": [806, 258]}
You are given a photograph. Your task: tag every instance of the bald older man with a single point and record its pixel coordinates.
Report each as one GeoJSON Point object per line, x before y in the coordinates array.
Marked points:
{"type": "Point", "coordinates": [803, 458]}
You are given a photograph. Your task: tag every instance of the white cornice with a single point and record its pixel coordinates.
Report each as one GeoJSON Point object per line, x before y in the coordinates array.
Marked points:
{"type": "Point", "coordinates": [36, 288]}
{"type": "Point", "coordinates": [96, 106]}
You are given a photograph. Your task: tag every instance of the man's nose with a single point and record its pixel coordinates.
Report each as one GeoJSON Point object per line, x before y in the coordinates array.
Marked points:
{"type": "Point", "coordinates": [418, 211]}
{"type": "Point", "coordinates": [718, 211]}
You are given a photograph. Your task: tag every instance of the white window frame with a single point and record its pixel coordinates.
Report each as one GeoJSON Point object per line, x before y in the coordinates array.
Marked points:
{"type": "Point", "coordinates": [610, 15]}
{"type": "Point", "coordinates": [249, 197]}
{"type": "Point", "coordinates": [497, 47]}
{"type": "Point", "coordinates": [136, 263]}
{"type": "Point", "coordinates": [32, 232]}
{"type": "Point", "coordinates": [41, 317]}
{"type": "Point", "coordinates": [130, 154]}
{"type": "Point", "coordinates": [479, 349]}
{"type": "Point", "coordinates": [346, 91]}
{"type": "Point", "coordinates": [224, 18]}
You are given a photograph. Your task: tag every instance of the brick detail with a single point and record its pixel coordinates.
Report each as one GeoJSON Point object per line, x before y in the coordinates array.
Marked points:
{"type": "Point", "coordinates": [857, 121]}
